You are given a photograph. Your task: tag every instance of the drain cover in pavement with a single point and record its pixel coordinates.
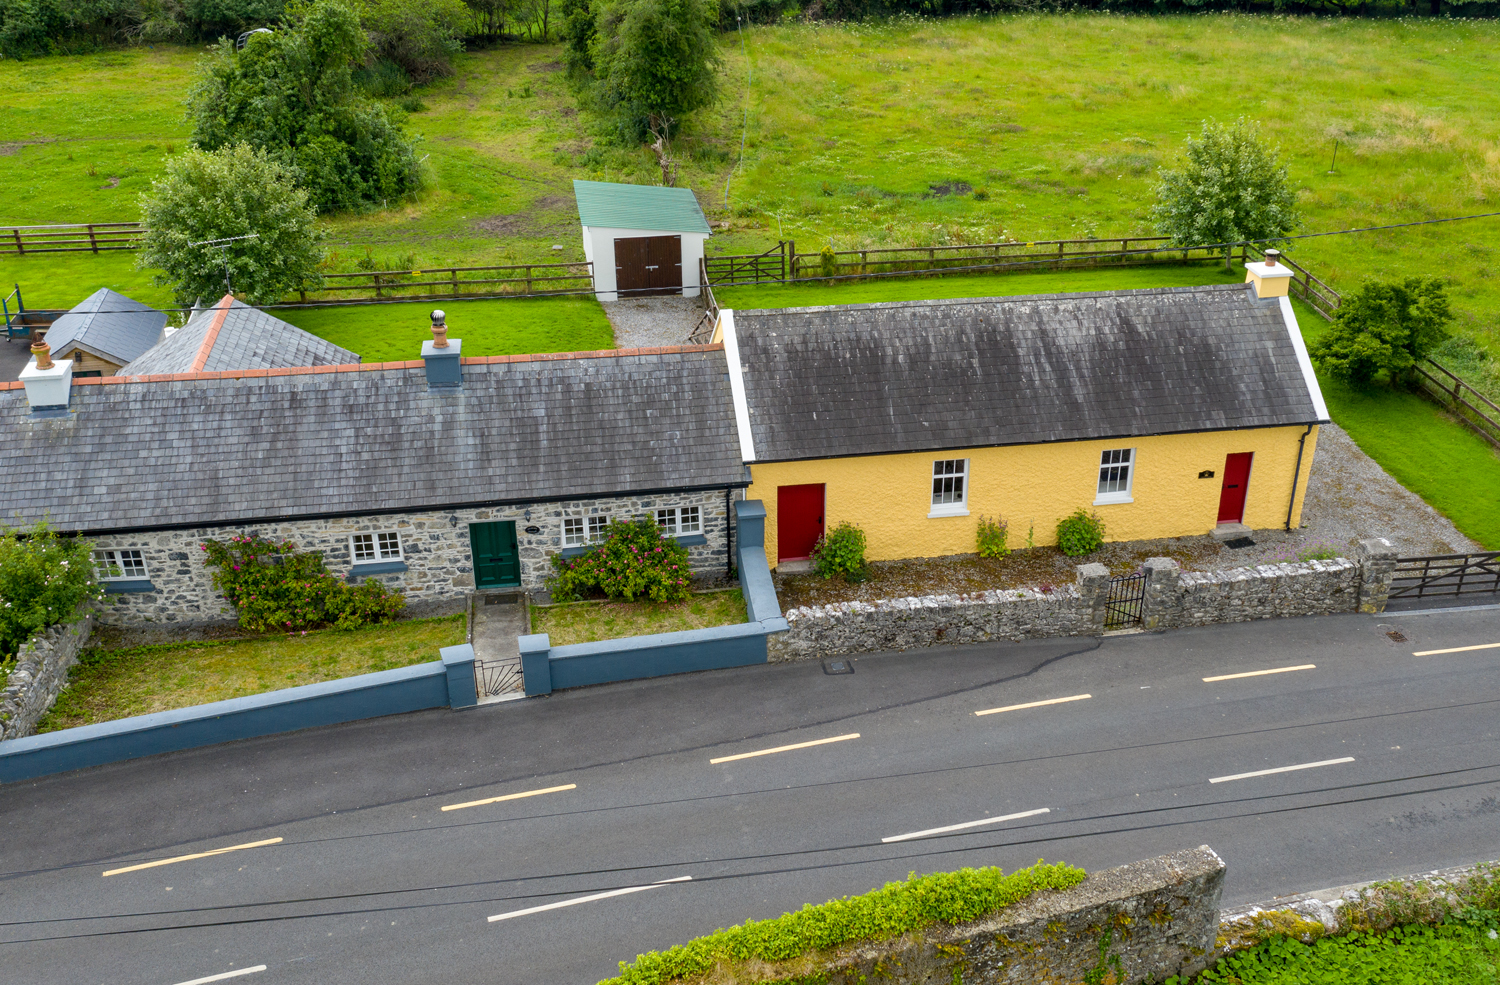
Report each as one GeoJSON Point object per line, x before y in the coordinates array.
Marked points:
{"type": "Point", "coordinates": [1397, 636]}
{"type": "Point", "coordinates": [838, 666]}
{"type": "Point", "coordinates": [1239, 542]}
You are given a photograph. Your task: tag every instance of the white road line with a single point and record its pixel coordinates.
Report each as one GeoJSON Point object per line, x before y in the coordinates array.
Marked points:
{"type": "Point", "coordinates": [1457, 649]}
{"type": "Point", "coordinates": [1281, 769]}
{"type": "Point", "coordinates": [959, 827]}
{"type": "Point", "coordinates": [798, 745]}
{"type": "Point", "coordinates": [189, 858]}
{"type": "Point", "coordinates": [1259, 673]}
{"type": "Point", "coordinates": [1034, 704]}
{"type": "Point", "coordinates": [227, 974]}
{"type": "Point", "coordinates": [586, 899]}
{"type": "Point", "coordinates": [510, 796]}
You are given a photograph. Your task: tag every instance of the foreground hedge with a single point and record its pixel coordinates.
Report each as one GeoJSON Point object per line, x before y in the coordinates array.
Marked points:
{"type": "Point", "coordinates": [898, 908]}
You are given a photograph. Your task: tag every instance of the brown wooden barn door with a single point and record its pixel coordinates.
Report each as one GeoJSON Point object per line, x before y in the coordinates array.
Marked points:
{"type": "Point", "coordinates": [632, 278]}
{"type": "Point", "coordinates": [664, 264]}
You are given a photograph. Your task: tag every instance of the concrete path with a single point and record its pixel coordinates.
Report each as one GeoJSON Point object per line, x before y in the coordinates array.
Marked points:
{"type": "Point", "coordinates": [499, 617]}
{"type": "Point", "coordinates": [1370, 751]}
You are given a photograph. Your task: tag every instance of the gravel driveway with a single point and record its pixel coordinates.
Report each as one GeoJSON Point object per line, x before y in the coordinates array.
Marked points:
{"type": "Point", "coordinates": [643, 322]}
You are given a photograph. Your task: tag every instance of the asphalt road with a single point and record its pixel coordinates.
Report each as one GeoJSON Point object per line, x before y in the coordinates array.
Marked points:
{"type": "Point", "coordinates": [372, 882]}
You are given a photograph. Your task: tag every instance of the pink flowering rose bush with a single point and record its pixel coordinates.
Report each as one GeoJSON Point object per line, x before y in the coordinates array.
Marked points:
{"type": "Point", "coordinates": [276, 587]}
{"type": "Point", "coordinates": [633, 563]}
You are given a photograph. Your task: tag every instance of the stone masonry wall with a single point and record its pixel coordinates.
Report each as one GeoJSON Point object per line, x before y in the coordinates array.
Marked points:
{"type": "Point", "coordinates": [1142, 922]}
{"type": "Point", "coordinates": [40, 672]}
{"type": "Point", "coordinates": [435, 546]}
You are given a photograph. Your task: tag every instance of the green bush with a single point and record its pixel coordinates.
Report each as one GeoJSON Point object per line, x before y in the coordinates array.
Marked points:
{"type": "Point", "coordinates": [840, 552]}
{"type": "Point", "coordinates": [828, 262]}
{"type": "Point", "coordinates": [43, 578]}
{"type": "Point", "coordinates": [635, 562]}
{"type": "Point", "coordinates": [276, 587]}
{"type": "Point", "coordinates": [1079, 534]}
{"type": "Point", "coordinates": [420, 36]}
{"type": "Point", "coordinates": [895, 909]}
{"type": "Point", "coordinates": [990, 537]}
{"type": "Point", "coordinates": [1384, 328]}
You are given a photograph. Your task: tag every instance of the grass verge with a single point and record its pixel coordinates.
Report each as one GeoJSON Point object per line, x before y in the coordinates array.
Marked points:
{"type": "Point", "coordinates": [1462, 953]}
{"type": "Point", "coordinates": [589, 622]}
{"type": "Point", "coordinates": [895, 909]}
{"type": "Point", "coordinates": [111, 684]}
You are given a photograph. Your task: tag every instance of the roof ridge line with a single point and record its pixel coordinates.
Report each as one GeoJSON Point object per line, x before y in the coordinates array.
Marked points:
{"type": "Point", "coordinates": [212, 335]}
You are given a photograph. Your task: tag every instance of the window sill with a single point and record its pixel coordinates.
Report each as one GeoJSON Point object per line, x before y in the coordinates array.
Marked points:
{"type": "Point", "coordinates": [948, 511]}
{"type": "Point", "coordinates": [374, 568]}
{"type": "Point", "coordinates": [1113, 499]}
{"type": "Point", "coordinates": [691, 540]}
{"type": "Point", "coordinates": [129, 586]}
{"type": "Point", "coordinates": [574, 551]}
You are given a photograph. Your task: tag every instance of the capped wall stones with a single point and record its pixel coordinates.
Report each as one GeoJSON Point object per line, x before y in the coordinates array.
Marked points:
{"type": "Point", "coordinates": [40, 673]}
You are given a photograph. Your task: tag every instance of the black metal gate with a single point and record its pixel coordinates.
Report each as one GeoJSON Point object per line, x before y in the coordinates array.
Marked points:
{"type": "Point", "coordinates": [1440, 575]}
{"type": "Point", "coordinates": [1126, 602]}
{"type": "Point", "coordinates": [497, 677]}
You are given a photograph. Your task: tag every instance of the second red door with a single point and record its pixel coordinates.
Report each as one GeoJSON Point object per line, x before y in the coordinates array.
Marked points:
{"type": "Point", "coordinates": [799, 521]}
{"type": "Point", "coordinates": [1236, 482]}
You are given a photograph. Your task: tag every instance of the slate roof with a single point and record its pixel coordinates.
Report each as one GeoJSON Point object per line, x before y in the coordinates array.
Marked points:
{"type": "Point", "coordinates": [672, 210]}
{"type": "Point", "coordinates": [109, 325]}
{"type": "Point", "coordinates": [240, 338]}
{"type": "Point", "coordinates": [147, 455]}
{"type": "Point", "coordinates": [928, 375]}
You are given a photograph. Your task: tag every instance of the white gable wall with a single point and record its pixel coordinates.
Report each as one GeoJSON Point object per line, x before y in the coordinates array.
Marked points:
{"type": "Point", "coordinates": [599, 249]}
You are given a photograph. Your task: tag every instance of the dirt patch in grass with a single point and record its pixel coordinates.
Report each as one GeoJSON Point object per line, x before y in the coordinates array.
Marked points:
{"type": "Point", "coordinates": [589, 622]}
{"type": "Point", "coordinates": [113, 684]}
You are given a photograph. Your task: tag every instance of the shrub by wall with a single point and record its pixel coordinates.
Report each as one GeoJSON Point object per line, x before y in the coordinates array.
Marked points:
{"type": "Point", "coordinates": [635, 562]}
{"type": "Point", "coordinates": [43, 578]}
{"type": "Point", "coordinates": [893, 910]}
{"type": "Point", "coordinates": [277, 587]}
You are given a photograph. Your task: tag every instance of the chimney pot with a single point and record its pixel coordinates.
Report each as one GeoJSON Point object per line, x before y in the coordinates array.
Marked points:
{"type": "Point", "coordinates": [439, 330]}
{"type": "Point", "coordinates": [43, 353]}
{"type": "Point", "coordinates": [1271, 257]}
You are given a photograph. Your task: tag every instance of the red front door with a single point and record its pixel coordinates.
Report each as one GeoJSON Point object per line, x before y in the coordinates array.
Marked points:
{"type": "Point", "coordinates": [1236, 481]}
{"type": "Point", "coordinates": [799, 521]}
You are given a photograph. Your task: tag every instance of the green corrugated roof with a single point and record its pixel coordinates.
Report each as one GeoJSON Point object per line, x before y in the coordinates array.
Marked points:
{"type": "Point", "coordinates": [602, 203]}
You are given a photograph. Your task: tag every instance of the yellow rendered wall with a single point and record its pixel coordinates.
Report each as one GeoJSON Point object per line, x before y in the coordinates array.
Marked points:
{"type": "Point", "coordinates": [890, 495]}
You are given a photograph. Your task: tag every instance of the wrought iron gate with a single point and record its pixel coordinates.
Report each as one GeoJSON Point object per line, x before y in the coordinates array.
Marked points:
{"type": "Point", "coordinates": [496, 677]}
{"type": "Point", "coordinates": [1446, 574]}
{"type": "Point", "coordinates": [1126, 601]}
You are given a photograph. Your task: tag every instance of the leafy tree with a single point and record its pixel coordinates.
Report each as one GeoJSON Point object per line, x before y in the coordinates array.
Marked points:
{"type": "Point", "coordinates": [577, 31]}
{"type": "Point", "coordinates": [654, 62]}
{"type": "Point", "coordinates": [291, 94]}
{"type": "Point", "coordinates": [232, 191]}
{"type": "Point", "coordinates": [43, 577]}
{"type": "Point", "coordinates": [421, 36]}
{"type": "Point", "coordinates": [1232, 187]}
{"type": "Point", "coordinates": [1384, 327]}
{"type": "Point", "coordinates": [31, 28]}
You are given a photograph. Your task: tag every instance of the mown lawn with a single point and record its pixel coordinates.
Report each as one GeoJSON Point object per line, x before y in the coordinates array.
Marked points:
{"type": "Point", "coordinates": [111, 684]}
{"type": "Point", "coordinates": [588, 622]}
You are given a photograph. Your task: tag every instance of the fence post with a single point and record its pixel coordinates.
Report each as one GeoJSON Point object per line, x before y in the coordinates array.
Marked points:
{"type": "Point", "coordinates": [782, 246]}
{"type": "Point", "coordinates": [792, 251]}
{"type": "Point", "coordinates": [377, 285]}
{"type": "Point", "coordinates": [1377, 563]}
{"type": "Point", "coordinates": [536, 667]}
{"type": "Point", "coordinates": [20, 247]}
{"type": "Point", "coordinates": [454, 272]}
{"type": "Point", "coordinates": [1093, 586]}
{"type": "Point", "coordinates": [1162, 608]}
{"type": "Point", "coordinates": [93, 243]}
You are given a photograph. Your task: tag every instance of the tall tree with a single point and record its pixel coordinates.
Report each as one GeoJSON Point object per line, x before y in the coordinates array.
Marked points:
{"type": "Point", "coordinates": [1384, 327]}
{"type": "Point", "coordinates": [1232, 187]}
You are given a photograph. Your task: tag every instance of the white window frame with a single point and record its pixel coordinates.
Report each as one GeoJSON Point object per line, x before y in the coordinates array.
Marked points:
{"type": "Point", "coordinates": [379, 546]}
{"type": "Point", "coordinates": [587, 529]}
{"type": "Point", "coordinates": [1109, 459]}
{"type": "Point", "coordinates": [112, 557]}
{"type": "Point", "coordinates": [673, 520]}
{"type": "Point", "coordinates": [597, 524]}
{"type": "Point", "coordinates": [959, 508]}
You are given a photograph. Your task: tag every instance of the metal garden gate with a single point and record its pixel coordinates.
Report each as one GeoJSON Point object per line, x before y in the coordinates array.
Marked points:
{"type": "Point", "coordinates": [1438, 575]}
{"type": "Point", "coordinates": [1126, 602]}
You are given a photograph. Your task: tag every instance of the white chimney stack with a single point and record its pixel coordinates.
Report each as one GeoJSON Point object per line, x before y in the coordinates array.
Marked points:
{"type": "Point", "coordinates": [48, 383]}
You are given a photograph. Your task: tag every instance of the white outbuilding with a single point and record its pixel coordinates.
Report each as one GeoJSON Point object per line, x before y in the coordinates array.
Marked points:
{"type": "Point", "coordinates": [642, 240]}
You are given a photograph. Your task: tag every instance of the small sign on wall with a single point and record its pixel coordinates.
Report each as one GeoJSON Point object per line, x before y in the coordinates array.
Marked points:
{"type": "Point", "coordinates": [533, 529]}
{"type": "Point", "coordinates": [1206, 474]}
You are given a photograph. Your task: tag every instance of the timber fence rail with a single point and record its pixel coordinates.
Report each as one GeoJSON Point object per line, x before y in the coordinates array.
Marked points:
{"type": "Point", "coordinates": [83, 237]}
{"type": "Point", "coordinates": [459, 282]}
{"type": "Point", "coordinates": [1459, 398]}
{"type": "Point", "coordinates": [703, 332]}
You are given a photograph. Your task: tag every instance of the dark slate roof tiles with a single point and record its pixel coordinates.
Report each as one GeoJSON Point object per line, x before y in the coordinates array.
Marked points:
{"type": "Point", "coordinates": [109, 325]}
{"type": "Point", "coordinates": [248, 338]}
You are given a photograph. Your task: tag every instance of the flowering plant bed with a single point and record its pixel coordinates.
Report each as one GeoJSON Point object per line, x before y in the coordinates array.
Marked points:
{"type": "Point", "coordinates": [589, 622]}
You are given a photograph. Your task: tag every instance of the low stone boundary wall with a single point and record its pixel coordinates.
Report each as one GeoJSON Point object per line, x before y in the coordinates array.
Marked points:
{"type": "Point", "coordinates": [1142, 922]}
{"type": "Point", "coordinates": [448, 682]}
{"type": "Point", "coordinates": [40, 673]}
{"type": "Point", "coordinates": [1174, 598]}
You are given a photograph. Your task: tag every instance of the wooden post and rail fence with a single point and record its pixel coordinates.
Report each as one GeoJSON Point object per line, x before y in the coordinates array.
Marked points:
{"type": "Point", "coordinates": [83, 237]}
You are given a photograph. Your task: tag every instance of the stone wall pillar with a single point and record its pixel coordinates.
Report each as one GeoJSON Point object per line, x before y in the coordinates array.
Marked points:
{"type": "Point", "coordinates": [1163, 609]}
{"type": "Point", "coordinates": [1377, 563]}
{"type": "Point", "coordinates": [1093, 589]}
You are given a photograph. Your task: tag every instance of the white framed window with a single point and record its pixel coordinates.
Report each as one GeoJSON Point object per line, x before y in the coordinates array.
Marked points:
{"type": "Point", "coordinates": [119, 565]}
{"type": "Point", "coordinates": [579, 530]}
{"type": "Point", "coordinates": [950, 487]}
{"type": "Point", "coordinates": [679, 521]}
{"type": "Point", "coordinates": [1116, 473]}
{"type": "Point", "coordinates": [374, 548]}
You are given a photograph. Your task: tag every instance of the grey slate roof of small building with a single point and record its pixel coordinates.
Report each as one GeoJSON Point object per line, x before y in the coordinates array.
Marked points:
{"type": "Point", "coordinates": [151, 454]}
{"type": "Point", "coordinates": [927, 375]}
{"type": "Point", "coordinates": [647, 207]}
{"type": "Point", "coordinates": [248, 338]}
{"type": "Point", "coordinates": [109, 325]}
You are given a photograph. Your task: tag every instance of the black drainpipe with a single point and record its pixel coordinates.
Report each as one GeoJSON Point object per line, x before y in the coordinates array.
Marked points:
{"type": "Point", "coordinates": [1296, 474]}
{"type": "Point", "coordinates": [728, 534]}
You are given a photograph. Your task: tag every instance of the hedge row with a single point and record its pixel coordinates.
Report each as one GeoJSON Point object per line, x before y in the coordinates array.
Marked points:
{"type": "Point", "coordinates": [895, 909]}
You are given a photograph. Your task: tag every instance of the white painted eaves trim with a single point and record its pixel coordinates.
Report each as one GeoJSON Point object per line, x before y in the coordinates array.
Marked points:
{"type": "Point", "coordinates": [737, 383]}
{"type": "Point", "coordinates": [1300, 347]}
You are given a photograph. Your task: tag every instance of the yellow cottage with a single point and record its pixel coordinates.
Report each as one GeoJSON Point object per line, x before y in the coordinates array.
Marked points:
{"type": "Point", "coordinates": [1170, 412]}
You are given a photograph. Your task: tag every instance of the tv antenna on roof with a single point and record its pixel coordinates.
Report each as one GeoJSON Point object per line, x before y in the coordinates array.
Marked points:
{"type": "Point", "coordinates": [222, 245]}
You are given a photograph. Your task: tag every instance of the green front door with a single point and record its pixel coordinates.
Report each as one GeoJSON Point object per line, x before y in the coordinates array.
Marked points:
{"type": "Point", "coordinates": [497, 563]}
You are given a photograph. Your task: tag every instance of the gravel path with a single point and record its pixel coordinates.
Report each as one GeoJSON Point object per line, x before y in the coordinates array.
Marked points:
{"type": "Point", "coordinates": [642, 322]}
